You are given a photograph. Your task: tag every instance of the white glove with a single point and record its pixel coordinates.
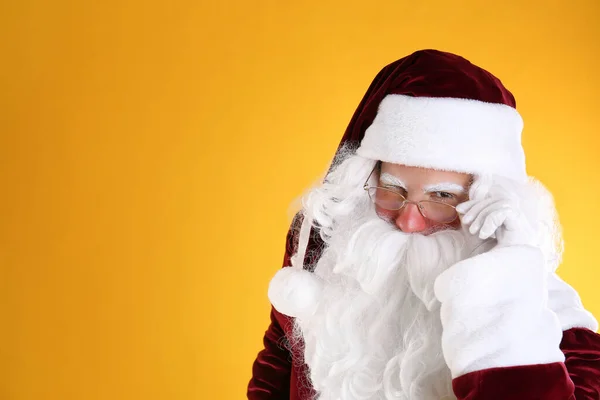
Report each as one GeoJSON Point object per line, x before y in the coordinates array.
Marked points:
{"type": "Point", "coordinates": [495, 209]}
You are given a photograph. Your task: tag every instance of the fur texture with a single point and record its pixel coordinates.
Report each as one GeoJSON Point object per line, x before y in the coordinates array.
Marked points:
{"type": "Point", "coordinates": [447, 134]}
{"type": "Point", "coordinates": [376, 333]}
{"type": "Point", "coordinates": [397, 316]}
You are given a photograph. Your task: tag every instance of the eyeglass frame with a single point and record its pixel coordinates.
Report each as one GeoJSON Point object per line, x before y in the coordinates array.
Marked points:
{"type": "Point", "coordinates": [366, 187]}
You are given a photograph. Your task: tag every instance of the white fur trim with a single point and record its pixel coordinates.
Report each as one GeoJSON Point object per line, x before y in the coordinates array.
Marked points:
{"type": "Point", "coordinates": [495, 311]}
{"type": "Point", "coordinates": [303, 239]}
{"type": "Point", "coordinates": [566, 304]}
{"type": "Point", "coordinates": [448, 134]}
{"type": "Point", "coordinates": [295, 292]}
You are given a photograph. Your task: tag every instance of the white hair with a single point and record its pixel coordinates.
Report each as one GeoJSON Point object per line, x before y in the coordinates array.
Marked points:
{"type": "Point", "coordinates": [376, 332]}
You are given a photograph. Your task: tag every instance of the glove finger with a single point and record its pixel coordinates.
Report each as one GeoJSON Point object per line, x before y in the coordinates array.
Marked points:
{"type": "Point", "coordinates": [493, 221]}
{"type": "Point", "coordinates": [481, 187]}
{"type": "Point", "coordinates": [475, 210]}
{"type": "Point", "coordinates": [479, 220]}
{"type": "Point", "coordinates": [465, 206]}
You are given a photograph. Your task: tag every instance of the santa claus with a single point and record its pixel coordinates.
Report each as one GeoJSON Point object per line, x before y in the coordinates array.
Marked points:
{"type": "Point", "coordinates": [423, 267]}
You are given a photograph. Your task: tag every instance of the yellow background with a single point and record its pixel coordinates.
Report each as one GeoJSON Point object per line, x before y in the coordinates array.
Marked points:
{"type": "Point", "coordinates": [150, 150]}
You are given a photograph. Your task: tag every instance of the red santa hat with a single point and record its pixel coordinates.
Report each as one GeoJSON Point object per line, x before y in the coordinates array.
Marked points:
{"type": "Point", "coordinates": [430, 109]}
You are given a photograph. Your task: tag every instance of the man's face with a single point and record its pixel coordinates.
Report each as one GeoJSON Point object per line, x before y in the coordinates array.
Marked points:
{"type": "Point", "coordinates": [417, 184]}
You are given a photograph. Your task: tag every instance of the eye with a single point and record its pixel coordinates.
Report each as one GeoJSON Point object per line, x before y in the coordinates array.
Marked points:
{"type": "Point", "coordinates": [394, 188]}
{"type": "Point", "coordinates": [443, 195]}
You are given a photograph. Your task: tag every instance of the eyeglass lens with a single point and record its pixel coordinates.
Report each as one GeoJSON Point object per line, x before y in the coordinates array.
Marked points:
{"type": "Point", "coordinates": [433, 210]}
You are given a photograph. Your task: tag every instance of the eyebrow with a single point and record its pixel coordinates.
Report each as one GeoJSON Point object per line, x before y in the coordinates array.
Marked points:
{"type": "Point", "coordinates": [389, 179]}
{"type": "Point", "coordinates": [392, 180]}
{"type": "Point", "coordinates": [444, 187]}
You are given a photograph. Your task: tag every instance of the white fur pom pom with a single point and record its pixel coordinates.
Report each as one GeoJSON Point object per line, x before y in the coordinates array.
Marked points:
{"type": "Point", "coordinates": [295, 292]}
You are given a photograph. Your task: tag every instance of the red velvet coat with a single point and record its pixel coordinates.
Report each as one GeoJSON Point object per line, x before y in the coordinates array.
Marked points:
{"type": "Point", "coordinates": [277, 374]}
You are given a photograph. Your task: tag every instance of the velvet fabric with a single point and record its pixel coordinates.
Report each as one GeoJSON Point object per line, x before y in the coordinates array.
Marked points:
{"type": "Point", "coordinates": [278, 372]}
{"type": "Point", "coordinates": [426, 73]}
{"type": "Point", "coordinates": [578, 378]}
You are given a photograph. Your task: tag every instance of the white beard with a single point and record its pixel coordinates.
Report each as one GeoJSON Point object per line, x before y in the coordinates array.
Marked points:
{"type": "Point", "coordinates": [376, 333]}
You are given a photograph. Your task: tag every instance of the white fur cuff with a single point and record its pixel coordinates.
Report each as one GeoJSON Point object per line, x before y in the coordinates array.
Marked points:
{"type": "Point", "coordinates": [566, 304]}
{"type": "Point", "coordinates": [495, 312]}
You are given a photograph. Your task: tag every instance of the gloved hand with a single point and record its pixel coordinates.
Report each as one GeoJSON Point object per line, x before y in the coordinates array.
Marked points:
{"type": "Point", "coordinates": [496, 209]}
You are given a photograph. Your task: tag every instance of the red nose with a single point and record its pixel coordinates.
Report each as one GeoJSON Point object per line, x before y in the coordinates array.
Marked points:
{"type": "Point", "coordinates": [410, 220]}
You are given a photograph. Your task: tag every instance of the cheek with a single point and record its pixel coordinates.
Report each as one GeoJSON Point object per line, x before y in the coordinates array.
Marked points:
{"type": "Point", "coordinates": [454, 225]}
{"type": "Point", "coordinates": [391, 216]}
{"type": "Point", "coordinates": [386, 215]}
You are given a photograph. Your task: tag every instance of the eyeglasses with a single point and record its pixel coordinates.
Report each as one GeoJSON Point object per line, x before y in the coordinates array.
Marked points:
{"type": "Point", "coordinates": [390, 199]}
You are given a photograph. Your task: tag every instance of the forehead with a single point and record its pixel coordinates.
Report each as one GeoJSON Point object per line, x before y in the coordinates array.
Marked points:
{"type": "Point", "coordinates": [418, 175]}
